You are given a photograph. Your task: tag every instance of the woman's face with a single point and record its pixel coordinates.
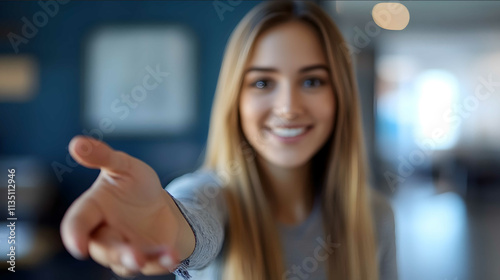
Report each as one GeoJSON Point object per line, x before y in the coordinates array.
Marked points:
{"type": "Point", "coordinates": [287, 103]}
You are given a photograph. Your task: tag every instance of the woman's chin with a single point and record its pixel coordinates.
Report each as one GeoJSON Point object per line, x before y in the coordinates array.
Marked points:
{"type": "Point", "coordinates": [287, 161]}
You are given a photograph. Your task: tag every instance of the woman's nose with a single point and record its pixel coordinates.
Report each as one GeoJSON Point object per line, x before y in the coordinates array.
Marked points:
{"type": "Point", "coordinates": [288, 104]}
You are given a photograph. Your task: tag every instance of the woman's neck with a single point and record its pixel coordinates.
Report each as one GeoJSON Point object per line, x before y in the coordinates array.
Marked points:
{"type": "Point", "coordinates": [289, 190]}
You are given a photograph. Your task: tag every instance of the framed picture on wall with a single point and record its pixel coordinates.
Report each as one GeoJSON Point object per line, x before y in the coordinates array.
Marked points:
{"type": "Point", "coordinates": [140, 80]}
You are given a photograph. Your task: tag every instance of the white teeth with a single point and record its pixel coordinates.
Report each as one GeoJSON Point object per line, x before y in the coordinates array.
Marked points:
{"type": "Point", "coordinates": [288, 132]}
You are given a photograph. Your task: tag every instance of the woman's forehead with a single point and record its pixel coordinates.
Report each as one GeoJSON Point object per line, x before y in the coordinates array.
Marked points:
{"type": "Point", "coordinates": [293, 44]}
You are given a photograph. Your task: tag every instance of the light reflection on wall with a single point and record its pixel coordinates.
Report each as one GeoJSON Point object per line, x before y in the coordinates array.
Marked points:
{"type": "Point", "coordinates": [436, 92]}
{"type": "Point", "coordinates": [447, 82]}
{"type": "Point", "coordinates": [395, 103]}
{"type": "Point", "coordinates": [427, 90]}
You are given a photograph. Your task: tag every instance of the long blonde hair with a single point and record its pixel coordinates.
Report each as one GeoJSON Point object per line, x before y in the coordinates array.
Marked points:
{"type": "Point", "coordinates": [252, 245]}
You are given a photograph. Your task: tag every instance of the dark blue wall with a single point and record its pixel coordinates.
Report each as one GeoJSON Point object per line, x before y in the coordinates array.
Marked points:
{"type": "Point", "coordinates": [44, 126]}
{"type": "Point", "coordinates": [41, 128]}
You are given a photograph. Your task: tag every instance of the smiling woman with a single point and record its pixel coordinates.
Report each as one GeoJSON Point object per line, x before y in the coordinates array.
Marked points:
{"type": "Point", "coordinates": [282, 193]}
{"type": "Point", "coordinates": [287, 89]}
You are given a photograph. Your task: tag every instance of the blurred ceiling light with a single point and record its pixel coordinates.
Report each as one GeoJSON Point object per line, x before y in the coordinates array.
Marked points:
{"type": "Point", "coordinates": [18, 78]}
{"type": "Point", "coordinates": [391, 16]}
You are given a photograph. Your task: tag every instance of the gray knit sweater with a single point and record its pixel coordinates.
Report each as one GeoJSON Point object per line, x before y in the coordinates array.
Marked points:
{"type": "Point", "coordinates": [198, 196]}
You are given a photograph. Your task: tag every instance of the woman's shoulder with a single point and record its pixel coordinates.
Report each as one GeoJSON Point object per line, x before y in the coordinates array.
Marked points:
{"type": "Point", "coordinates": [202, 184]}
{"type": "Point", "coordinates": [201, 178]}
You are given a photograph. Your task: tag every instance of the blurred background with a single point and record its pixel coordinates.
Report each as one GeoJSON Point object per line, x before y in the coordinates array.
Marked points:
{"type": "Point", "coordinates": [142, 75]}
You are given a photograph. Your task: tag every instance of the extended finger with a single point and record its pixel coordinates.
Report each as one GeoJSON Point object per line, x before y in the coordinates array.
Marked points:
{"type": "Point", "coordinates": [93, 153]}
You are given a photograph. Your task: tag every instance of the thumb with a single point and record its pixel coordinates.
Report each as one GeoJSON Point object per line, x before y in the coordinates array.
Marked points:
{"type": "Point", "coordinates": [93, 153]}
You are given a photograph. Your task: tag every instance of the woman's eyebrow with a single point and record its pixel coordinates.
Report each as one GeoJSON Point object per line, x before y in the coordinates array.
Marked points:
{"type": "Point", "coordinates": [314, 67]}
{"type": "Point", "coordinates": [302, 70]}
{"type": "Point", "coordinates": [261, 69]}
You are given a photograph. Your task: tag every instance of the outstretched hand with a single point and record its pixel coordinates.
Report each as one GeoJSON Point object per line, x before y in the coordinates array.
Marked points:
{"type": "Point", "coordinates": [125, 220]}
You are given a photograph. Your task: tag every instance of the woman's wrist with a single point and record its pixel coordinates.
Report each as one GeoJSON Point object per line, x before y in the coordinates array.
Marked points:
{"type": "Point", "coordinates": [184, 241]}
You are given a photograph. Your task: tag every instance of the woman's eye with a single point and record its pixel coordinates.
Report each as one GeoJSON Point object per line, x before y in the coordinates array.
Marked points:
{"type": "Point", "coordinates": [262, 84]}
{"type": "Point", "coordinates": [313, 82]}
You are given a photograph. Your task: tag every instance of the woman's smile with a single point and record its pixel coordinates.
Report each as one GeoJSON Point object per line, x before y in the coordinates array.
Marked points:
{"type": "Point", "coordinates": [289, 134]}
